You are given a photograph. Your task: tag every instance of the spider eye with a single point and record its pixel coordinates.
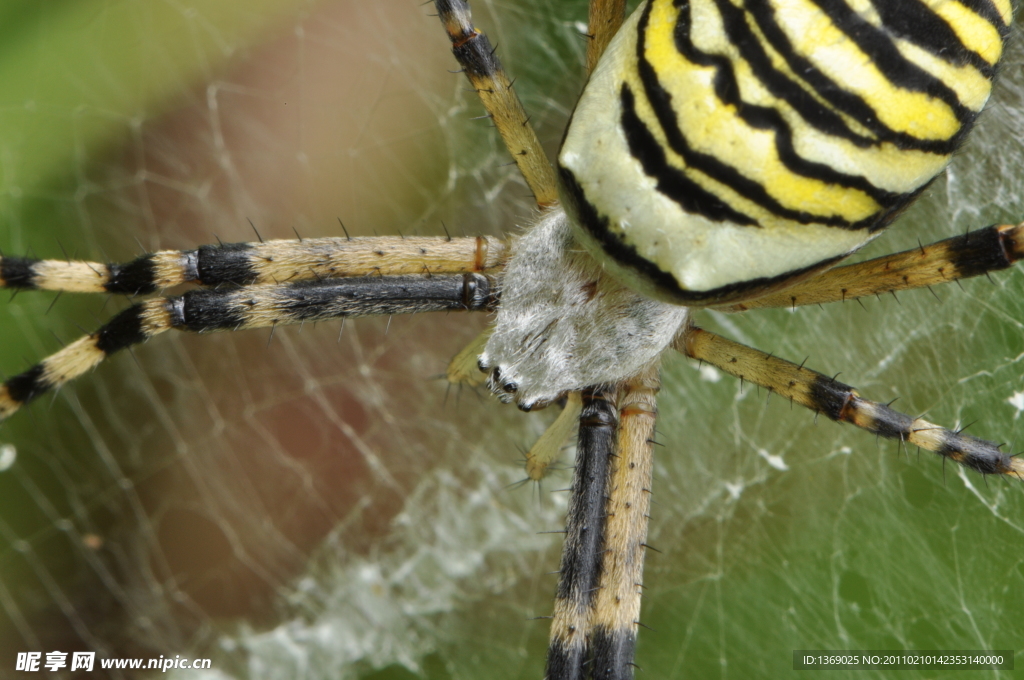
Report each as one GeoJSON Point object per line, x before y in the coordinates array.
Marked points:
{"type": "Point", "coordinates": [506, 386]}
{"type": "Point", "coordinates": [481, 365]}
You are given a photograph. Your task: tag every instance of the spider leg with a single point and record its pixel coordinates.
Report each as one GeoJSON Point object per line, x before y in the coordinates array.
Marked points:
{"type": "Point", "coordinates": [263, 262]}
{"type": "Point", "coordinates": [597, 607]}
{"type": "Point", "coordinates": [464, 369]}
{"type": "Point", "coordinates": [605, 18]}
{"type": "Point", "coordinates": [582, 552]}
{"type": "Point", "coordinates": [474, 53]}
{"type": "Point", "coordinates": [204, 310]}
{"type": "Point", "coordinates": [617, 607]}
{"type": "Point", "coordinates": [961, 257]}
{"type": "Point", "coordinates": [546, 449]}
{"type": "Point", "coordinates": [841, 402]}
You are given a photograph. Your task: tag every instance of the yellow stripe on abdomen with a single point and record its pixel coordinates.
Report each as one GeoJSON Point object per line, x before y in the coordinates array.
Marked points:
{"type": "Point", "coordinates": [723, 149]}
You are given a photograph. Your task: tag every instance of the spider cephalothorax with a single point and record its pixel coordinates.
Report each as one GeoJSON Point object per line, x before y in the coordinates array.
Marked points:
{"type": "Point", "coordinates": [565, 324]}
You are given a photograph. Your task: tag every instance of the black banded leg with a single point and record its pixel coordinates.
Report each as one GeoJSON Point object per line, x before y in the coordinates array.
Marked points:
{"type": "Point", "coordinates": [134, 325]}
{"type": "Point", "coordinates": [973, 254]}
{"type": "Point", "coordinates": [604, 20]}
{"type": "Point", "coordinates": [579, 575]}
{"type": "Point", "coordinates": [617, 608]}
{"type": "Point", "coordinates": [474, 53]}
{"type": "Point", "coordinates": [264, 262]}
{"type": "Point", "coordinates": [842, 403]}
{"type": "Point", "coordinates": [204, 310]}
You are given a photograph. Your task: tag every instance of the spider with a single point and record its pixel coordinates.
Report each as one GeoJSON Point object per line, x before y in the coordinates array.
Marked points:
{"type": "Point", "coordinates": [469, 292]}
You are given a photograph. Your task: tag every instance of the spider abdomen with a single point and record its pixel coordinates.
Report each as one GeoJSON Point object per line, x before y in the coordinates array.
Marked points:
{"type": "Point", "coordinates": [724, 149]}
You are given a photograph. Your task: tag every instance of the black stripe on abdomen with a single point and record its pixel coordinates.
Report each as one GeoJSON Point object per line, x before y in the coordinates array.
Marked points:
{"type": "Point", "coordinates": [660, 101]}
{"type": "Point", "coordinates": [987, 11]}
{"type": "Point", "coordinates": [767, 118]}
{"type": "Point", "coordinates": [596, 225]}
{"type": "Point", "coordinates": [913, 21]}
{"type": "Point", "coordinates": [672, 182]}
{"type": "Point", "coordinates": [840, 97]}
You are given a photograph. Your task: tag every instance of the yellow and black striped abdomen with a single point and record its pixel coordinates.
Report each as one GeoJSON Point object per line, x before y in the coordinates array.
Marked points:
{"type": "Point", "coordinates": [724, 148]}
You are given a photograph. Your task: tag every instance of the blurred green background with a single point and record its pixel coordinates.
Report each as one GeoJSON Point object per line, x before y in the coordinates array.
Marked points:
{"type": "Point", "coordinates": [316, 507]}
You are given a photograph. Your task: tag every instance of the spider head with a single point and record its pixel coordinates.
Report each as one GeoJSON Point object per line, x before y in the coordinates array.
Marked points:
{"type": "Point", "coordinates": [507, 390]}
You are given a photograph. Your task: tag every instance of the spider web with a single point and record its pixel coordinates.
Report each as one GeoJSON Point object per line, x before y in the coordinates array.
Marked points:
{"type": "Point", "coordinates": [315, 507]}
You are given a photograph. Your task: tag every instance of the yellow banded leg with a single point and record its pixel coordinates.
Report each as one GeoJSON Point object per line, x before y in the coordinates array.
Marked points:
{"type": "Point", "coordinates": [464, 368]}
{"type": "Point", "coordinates": [973, 254]}
{"type": "Point", "coordinates": [264, 262]}
{"type": "Point", "coordinates": [617, 608]}
{"type": "Point", "coordinates": [474, 53]}
{"type": "Point", "coordinates": [546, 449]}
{"type": "Point", "coordinates": [569, 647]}
{"type": "Point", "coordinates": [841, 402]}
{"type": "Point", "coordinates": [134, 325]}
{"type": "Point", "coordinates": [605, 18]}
{"type": "Point", "coordinates": [203, 310]}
